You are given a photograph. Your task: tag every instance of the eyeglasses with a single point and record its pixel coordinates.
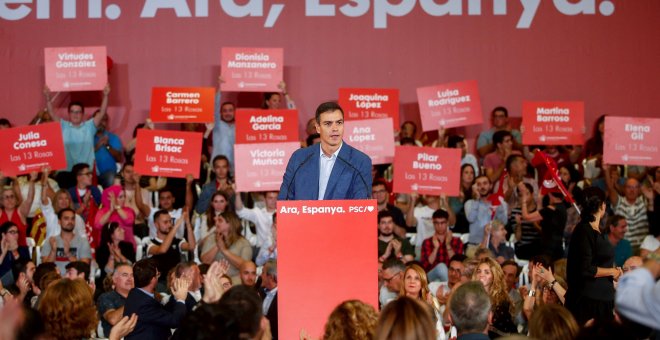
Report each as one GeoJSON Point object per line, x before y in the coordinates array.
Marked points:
{"type": "Point", "coordinates": [85, 174]}
{"type": "Point", "coordinates": [375, 192]}
{"type": "Point", "coordinates": [391, 278]}
{"type": "Point", "coordinates": [13, 232]}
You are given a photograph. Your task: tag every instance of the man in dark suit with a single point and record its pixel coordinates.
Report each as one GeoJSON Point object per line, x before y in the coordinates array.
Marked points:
{"type": "Point", "coordinates": [269, 285]}
{"type": "Point", "coordinates": [330, 170]}
{"type": "Point", "coordinates": [154, 322]}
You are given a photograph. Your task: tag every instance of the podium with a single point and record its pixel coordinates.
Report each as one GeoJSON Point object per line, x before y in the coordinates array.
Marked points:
{"type": "Point", "coordinates": [327, 253]}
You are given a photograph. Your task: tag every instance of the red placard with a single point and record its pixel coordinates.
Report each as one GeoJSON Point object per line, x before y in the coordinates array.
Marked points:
{"type": "Point", "coordinates": [449, 105]}
{"type": "Point", "coordinates": [366, 103]}
{"type": "Point", "coordinates": [633, 141]}
{"type": "Point", "coordinates": [374, 137]}
{"type": "Point", "coordinates": [263, 126]}
{"type": "Point", "coordinates": [247, 69]}
{"type": "Point", "coordinates": [314, 279]}
{"type": "Point", "coordinates": [168, 153]}
{"type": "Point", "coordinates": [182, 104]}
{"type": "Point", "coordinates": [428, 171]}
{"type": "Point", "coordinates": [553, 123]}
{"type": "Point", "coordinates": [32, 147]}
{"type": "Point", "coordinates": [262, 166]}
{"type": "Point", "coordinates": [76, 68]}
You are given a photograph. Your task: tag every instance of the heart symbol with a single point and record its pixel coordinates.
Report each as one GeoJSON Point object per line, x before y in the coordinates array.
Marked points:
{"type": "Point", "coordinates": [370, 208]}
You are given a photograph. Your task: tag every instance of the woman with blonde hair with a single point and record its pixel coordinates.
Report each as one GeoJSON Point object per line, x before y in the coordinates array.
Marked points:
{"type": "Point", "coordinates": [227, 244]}
{"type": "Point", "coordinates": [406, 319]}
{"type": "Point", "coordinates": [352, 319]}
{"type": "Point", "coordinates": [67, 309]}
{"type": "Point", "coordinates": [490, 274]}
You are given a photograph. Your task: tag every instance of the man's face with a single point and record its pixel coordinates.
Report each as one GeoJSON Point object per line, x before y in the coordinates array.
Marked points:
{"type": "Point", "coordinates": [68, 221]}
{"type": "Point", "coordinates": [103, 125]}
{"type": "Point", "coordinates": [519, 166]}
{"type": "Point", "coordinates": [440, 226]}
{"type": "Point", "coordinates": [195, 278]}
{"type": "Point", "coordinates": [407, 131]}
{"type": "Point", "coordinates": [29, 271]}
{"type": "Point", "coordinates": [386, 226]}
{"type": "Point", "coordinates": [271, 200]}
{"type": "Point", "coordinates": [392, 279]}
{"type": "Point", "coordinates": [221, 168]}
{"type": "Point", "coordinates": [379, 192]}
{"type": "Point", "coordinates": [499, 119]}
{"type": "Point", "coordinates": [76, 114]}
{"type": "Point", "coordinates": [631, 189]}
{"type": "Point", "coordinates": [166, 200]}
{"type": "Point", "coordinates": [510, 275]}
{"type": "Point", "coordinates": [620, 229]}
{"type": "Point", "coordinates": [456, 269]}
{"type": "Point", "coordinates": [483, 186]}
{"type": "Point", "coordinates": [227, 112]}
{"type": "Point", "coordinates": [127, 173]}
{"type": "Point", "coordinates": [84, 178]}
{"type": "Point", "coordinates": [123, 278]}
{"type": "Point", "coordinates": [331, 128]}
{"type": "Point", "coordinates": [507, 143]}
{"type": "Point", "coordinates": [72, 274]}
{"type": "Point", "coordinates": [164, 223]}
{"type": "Point", "coordinates": [248, 274]}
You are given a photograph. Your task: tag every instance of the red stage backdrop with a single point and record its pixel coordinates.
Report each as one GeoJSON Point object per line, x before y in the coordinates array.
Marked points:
{"type": "Point", "coordinates": [602, 52]}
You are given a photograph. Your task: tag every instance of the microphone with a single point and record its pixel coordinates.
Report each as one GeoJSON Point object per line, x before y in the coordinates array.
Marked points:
{"type": "Point", "coordinates": [288, 186]}
{"type": "Point", "coordinates": [359, 174]}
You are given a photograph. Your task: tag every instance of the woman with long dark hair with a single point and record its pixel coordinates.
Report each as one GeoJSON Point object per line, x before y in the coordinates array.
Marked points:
{"type": "Point", "coordinates": [590, 267]}
{"type": "Point", "coordinates": [112, 249]}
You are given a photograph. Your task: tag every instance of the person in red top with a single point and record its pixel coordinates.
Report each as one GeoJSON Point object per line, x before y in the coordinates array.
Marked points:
{"type": "Point", "coordinates": [439, 248]}
{"type": "Point", "coordinates": [12, 211]}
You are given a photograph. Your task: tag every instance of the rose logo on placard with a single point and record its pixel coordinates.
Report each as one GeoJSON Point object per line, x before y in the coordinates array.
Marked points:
{"type": "Point", "coordinates": [22, 167]}
{"type": "Point", "coordinates": [241, 84]}
{"type": "Point", "coordinates": [66, 84]}
{"type": "Point", "coordinates": [442, 122]}
{"type": "Point", "coordinates": [624, 158]}
{"type": "Point", "coordinates": [370, 208]}
{"type": "Point", "coordinates": [257, 184]}
{"type": "Point", "coordinates": [542, 138]}
{"type": "Point", "coordinates": [154, 168]}
{"type": "Point", "coordinates": [414, 186]}
{"type": "Point", "coordinates": [170, 117]}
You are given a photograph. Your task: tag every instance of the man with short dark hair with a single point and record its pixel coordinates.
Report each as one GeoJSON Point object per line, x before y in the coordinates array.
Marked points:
{"type": "Point", "coordinates": [154, 322]}
{"type": "Point", "coordinates": [479, 210]}
{"type": "Point", "coordinates": [224, 128]}
{"type": "Point", "coordinates": [381, 193]}
{"type": "Point", "coordinates": [23, 273]}
{"type": "Point", "coordinates": [389, 244]}
{"type": "Point", "coordinates": [500, 120]}
{"type": "Point", "coordinates": [108, 151]}
{"type": "Point", "coordinates": [111, 304]}
{"type": "Point", "coordinates": [86, 197]}
{"type": "Point", "coordinates": [617, 226]}
{"type": "Point", "coordinates": [441, 289]}
{"type": "Point", "coordinates": [331, 170]}
{"type": "Point", "coordinates": [221, 169]}
{"type": "Point", "coordinates": [495, 162]}
{"type": "Point", "coordinates": [439, 248]}
{"type": "Point", "coordinates": [77, 270]}
{"type": "Point", "coordinates": [189, 271]}
{"type": "Point", "coordinates": [469, 311]}
{"type": "Point", "coordinates": [66, 246]}
{"type": "Point", "coordinates": [166, 201]}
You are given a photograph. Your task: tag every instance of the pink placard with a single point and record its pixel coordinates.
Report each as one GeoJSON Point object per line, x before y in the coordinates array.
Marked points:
{"type": "Point", "coordinates": [262, 165]}
{"type": "Point", "coordinates": [76, 68]}
{"type": "Point", "coordinates": [31, 148]}
{"type": "Point", "coordinates": [633, 141]}
{"type": "Point", "coordinates": [263, 126]}
{"type": "Point", "coordinates": [374, 137]}
{"type": "Point", "coordinates": [316, 240]}
{"type": "Point", "coordinates": [426, 170]}
{"type": "Point", "coordinates": [449, 105]}
{"type": "Point", "coordinates": [367, 103]}
{"type": "Point", "coordinates": [553, 123]}
{"type": "Point", "coordinates": [247, 69]}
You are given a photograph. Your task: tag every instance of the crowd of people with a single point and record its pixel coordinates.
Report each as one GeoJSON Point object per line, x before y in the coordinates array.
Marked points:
{"type": "Point", "coordinates": [97, 249]}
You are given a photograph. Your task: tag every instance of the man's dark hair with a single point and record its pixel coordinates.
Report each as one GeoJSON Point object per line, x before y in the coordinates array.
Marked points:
{"type": "Point", "coordinates": [510, 160]}
{"type": "Point", "coordinates": [220, 157]}
{"type": "Point", "coordinates": [394, 264]}
{"type": "Point", "coordinates": [5, 122]}
{"type": "Point", "coordinates": [458, 258]}
{"type": "Point", "coordinates": [143, 271]}
{"type": "Point", "coordinates": [453, 140]}
{"type": "Point", "coordinates": [613, 221]}
{"type": "Point", "coordinates": [512, 263]}
{"type": "Point", "coordinates": [440, 213]}
{"type": "Point", "coordinates": [500, 108]}
{"type": "Point", "coordinates": [61, 212]}
{"type": "Point", "coordinates": [380, 181]}
{"type": "Point", "coordinates": [498, 137]}
{"type": "Point", "coordinates": [41, 271]}
{"type": "Point", "coordinates": [469, 308]}
{"type": "Point", "coordinates": [19, 266]}
{"type": "Point", "coordinates": [78, 168]}
{"type": "Point", "coordinates": [310, 139]}
{"type": "Point", "coordinates": [80, 267]}
{"type": "Point", "coordinates": [159, 213]}
{"type": "Point", "coordinates": [384, 213]}
{"type": "Point", "coordinates": [76, 103]}
{"type": "Point", "coordinates": [327, 107]}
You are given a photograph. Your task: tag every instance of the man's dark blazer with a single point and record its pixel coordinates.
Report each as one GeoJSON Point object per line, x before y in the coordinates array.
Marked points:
{"type": "Point", "coordinates": [271, 315]}
{"type": "Point", "coordinates": [350, 177]}
{"type": "Point", "coordinates": [154, 322]}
